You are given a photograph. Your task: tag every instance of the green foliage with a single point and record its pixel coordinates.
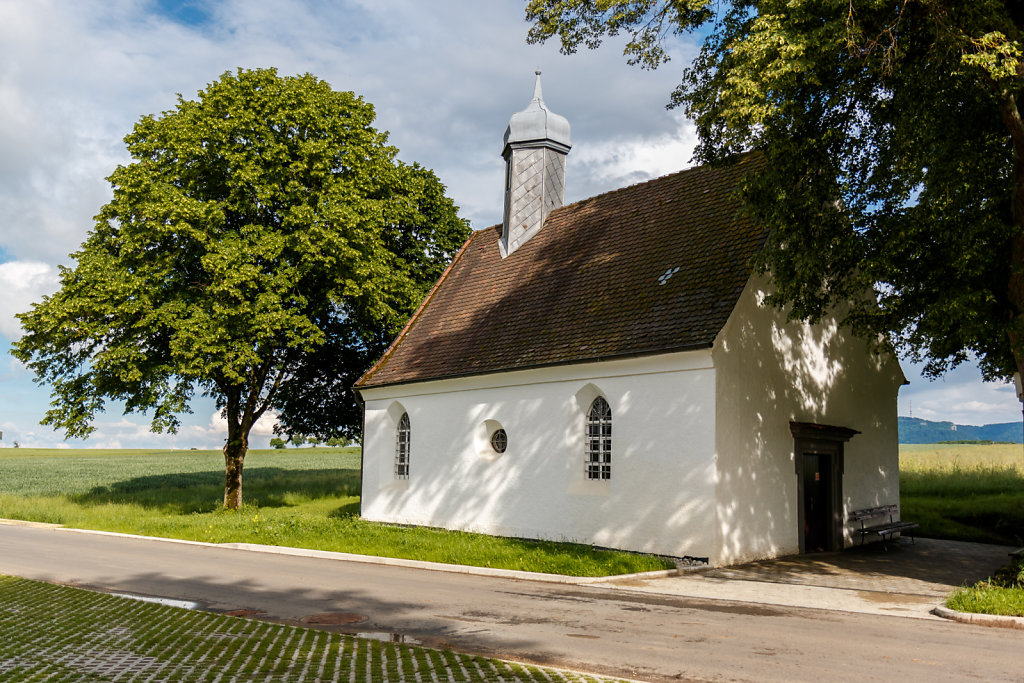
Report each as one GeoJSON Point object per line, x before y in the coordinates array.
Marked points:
{"type": "Point", "coordinates": [277, 442]}
{"type": "Point", "coordinates": [892, 137]}
{"type": "Point", "coordinates": [1003, 593]}
{"type": "Point", "coordinates": [262, 247]}
{"type": "Point", "coordinates": [304, 499]}
{"type": "Point", "coordinates": [985, 598]}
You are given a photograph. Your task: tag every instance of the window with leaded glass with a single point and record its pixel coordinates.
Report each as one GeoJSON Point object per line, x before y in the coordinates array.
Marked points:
{"type": "Point", "coordinates": [599, 440]}
{"type": "Point", "coordinates": [402, 448]}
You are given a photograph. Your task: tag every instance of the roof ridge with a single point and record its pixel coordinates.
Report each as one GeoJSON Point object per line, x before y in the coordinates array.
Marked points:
{"type": "Point", "coordinates": [732, 161]}
{"type": "Point", "coordinates": [735, 161]}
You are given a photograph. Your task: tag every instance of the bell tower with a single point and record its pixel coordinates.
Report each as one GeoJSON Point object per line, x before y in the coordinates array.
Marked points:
{"type": "Point", "coordinates": [536, 142]}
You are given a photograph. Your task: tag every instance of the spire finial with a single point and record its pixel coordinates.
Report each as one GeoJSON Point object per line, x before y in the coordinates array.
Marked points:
{"type": "Point", "coordinates": [536, 88]}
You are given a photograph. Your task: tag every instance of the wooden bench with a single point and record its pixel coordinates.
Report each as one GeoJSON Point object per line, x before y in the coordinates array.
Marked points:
{"type": "Point", "coordinates": [885, 530]}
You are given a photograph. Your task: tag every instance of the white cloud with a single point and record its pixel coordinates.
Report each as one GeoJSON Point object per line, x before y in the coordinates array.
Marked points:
{"type": "Point", "coordinates": [22, 283]}
{"type": "Point", "coordinates": [218, 427]}
{"type": "Point", "coordinates": [132, 431]}
{"type": "Point", "coordinates": [621, 161]}
{"type": "Point", "coordinates": [959, 396]}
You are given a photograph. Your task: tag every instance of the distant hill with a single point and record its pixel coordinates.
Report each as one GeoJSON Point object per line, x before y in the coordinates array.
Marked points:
{"type": "Point", "coordinates": [916, 430]}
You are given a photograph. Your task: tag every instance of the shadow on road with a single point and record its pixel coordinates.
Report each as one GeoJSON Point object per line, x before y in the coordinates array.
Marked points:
{"type": "Point", "coordinates": [926, 567]}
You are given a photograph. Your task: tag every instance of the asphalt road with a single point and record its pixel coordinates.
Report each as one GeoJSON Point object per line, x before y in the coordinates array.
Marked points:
{"type": "Point", "coordinates": [589, 628]}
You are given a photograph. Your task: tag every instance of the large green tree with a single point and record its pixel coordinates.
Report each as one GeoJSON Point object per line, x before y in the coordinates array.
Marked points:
{"type": "Point", "coordinates": [894, 143]}
{"type": "Point", "coordinates": [262, 248]}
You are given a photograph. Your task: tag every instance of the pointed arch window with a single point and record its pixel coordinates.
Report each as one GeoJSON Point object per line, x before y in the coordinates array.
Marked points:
{"type": "Point", "coordinates": [402, 448]}
{"type": "Point", "coordinates": [599, 440]}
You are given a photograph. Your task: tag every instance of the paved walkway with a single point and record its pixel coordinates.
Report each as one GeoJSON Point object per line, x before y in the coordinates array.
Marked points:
{"type": "Point", "coordinates": [899, 578]}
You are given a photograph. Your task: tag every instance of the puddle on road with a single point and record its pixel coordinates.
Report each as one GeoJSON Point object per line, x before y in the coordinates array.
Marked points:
{"type": "Point", "coordinates": [333, 618]}
{"type": "Point", "coordinates": [388, 637]}
{"type": "Point", "coordinates": [322, 619]}
{"type": "Point", "coordinates": [185, 604]}
{"type": "Point", "coordinates": [248, 613]}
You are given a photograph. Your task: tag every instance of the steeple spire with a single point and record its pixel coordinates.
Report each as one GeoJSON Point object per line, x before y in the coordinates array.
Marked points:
{"type": "Point", "coordinates": [536, 142]}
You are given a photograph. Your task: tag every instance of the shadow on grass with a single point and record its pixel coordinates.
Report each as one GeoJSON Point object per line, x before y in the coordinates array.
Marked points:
{"type": "Point", "coordinates": [346, 511]}
{"type": "Point", "coordinates": [189, 492]}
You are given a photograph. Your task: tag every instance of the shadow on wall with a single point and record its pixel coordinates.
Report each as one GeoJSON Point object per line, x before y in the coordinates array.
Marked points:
{"type": "Point", "coordinates": [769, 373]}
{"type": "Point", "coordinates": [537, 487]}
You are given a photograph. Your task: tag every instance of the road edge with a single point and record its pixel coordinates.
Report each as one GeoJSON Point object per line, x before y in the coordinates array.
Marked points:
{"type": "Point", "coordinates": [376, 559]}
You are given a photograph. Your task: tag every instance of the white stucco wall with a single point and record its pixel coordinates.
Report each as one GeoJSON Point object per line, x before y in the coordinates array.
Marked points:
{"type": "Point", "coordinates": [768, 373]}
{"type": "Point", "coordinates": [661, 494]}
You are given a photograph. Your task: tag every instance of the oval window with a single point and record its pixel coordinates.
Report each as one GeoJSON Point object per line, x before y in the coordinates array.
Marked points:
{"type": "Point", "coordinates": [499, 441]}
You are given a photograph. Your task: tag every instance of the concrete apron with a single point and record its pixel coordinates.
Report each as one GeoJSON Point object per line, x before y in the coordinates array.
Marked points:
{"type": "Point", "coordinates": [899, 578]}
{"type": "Point", "coordinates": [696, 585]}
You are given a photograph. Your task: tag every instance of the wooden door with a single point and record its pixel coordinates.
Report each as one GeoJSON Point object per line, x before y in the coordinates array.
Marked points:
{"type": "Point", "coordinates": [817, 502]}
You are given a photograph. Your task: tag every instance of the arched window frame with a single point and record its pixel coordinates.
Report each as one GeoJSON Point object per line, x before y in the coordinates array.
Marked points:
{"type": "Point", "coordinates": [403, 435]}
{"type": "Point", "coordinates": [598, 463]}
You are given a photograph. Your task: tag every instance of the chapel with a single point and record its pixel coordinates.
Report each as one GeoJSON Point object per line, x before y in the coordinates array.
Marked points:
{"type": "Point", "coordinates": [606, 372]}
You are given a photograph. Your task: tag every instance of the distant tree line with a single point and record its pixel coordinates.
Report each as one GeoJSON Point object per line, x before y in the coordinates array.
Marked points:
{"type": "Point", "coordinates": [298, 440]}
{"type": "Point", "coordinates": [976, 442]}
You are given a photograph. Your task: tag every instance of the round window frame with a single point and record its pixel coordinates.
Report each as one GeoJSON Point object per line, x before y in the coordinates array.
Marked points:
{"type": "Point", "coordinates": [497, 440]}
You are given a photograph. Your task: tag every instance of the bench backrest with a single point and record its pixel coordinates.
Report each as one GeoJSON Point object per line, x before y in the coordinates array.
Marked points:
{"type": "Point", "coordinates": [868, 513]}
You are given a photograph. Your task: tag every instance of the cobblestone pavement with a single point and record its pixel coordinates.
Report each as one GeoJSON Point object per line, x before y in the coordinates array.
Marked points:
{"type": "Point", "coordinates": [56, 633]}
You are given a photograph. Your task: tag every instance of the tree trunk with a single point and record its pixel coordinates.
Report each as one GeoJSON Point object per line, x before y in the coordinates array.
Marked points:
{"type": "Point", "coordinates": [241, 413]}
{"type": "Point", "coordinates": [234, 457]}
{"type": "Point", "coordinates": [1015, 287]}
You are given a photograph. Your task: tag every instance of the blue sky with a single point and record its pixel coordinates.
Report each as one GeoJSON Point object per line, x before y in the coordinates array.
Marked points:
{"type": "Point", "coordinates": [444, 77]}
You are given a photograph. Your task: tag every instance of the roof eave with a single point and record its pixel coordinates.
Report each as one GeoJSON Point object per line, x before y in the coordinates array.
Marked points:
{"type": "Point", "coordinates": [360, 383]}
{"type": "Point", "coordinates": [537, 366]}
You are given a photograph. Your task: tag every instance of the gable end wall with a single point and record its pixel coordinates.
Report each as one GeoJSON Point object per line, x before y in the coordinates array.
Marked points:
{"type": "Point", "coordinates": [770, 372]}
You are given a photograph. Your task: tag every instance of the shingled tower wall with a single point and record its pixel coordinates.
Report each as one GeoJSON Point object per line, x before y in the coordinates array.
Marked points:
{"type": "Point", "coordinates": [536, 143]}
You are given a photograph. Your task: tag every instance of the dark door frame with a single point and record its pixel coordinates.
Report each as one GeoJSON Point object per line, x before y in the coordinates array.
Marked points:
{"type": "Point", "coordinates": [826, 440]}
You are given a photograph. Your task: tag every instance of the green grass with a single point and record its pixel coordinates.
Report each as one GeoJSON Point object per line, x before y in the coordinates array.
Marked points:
{"type": "Point", "coordinates": [970, 492]}
{"type": "Point", "coordinates": [307, 498]}
{"type": "Point", "coordinates": [1000, 594]}
{"type": "Point", "coordinates": [986, 599]}
{"type": "Point", "coordinates": [964, 492]}
{"type": "Point", "coordinates": [57, 633]}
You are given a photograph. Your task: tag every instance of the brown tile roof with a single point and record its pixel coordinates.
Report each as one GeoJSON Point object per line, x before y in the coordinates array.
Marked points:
{"type": "Point", "coordinates": [589, 285]}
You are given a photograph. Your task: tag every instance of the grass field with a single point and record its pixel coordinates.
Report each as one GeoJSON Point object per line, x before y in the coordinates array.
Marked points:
{"type": "Point", "coordinates": [304, 498]}
{"type": "Point", "coordinates": [970, 493]}
{"type": "Point", "coordinates": [964, 492]}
